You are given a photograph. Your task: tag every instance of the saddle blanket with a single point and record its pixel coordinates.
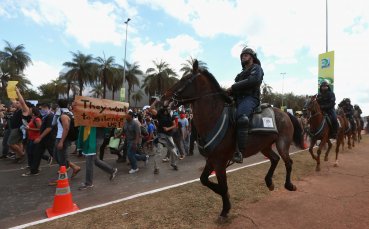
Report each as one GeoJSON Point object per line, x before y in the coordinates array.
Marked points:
{"type": "Point", "coordinates": [263, 122]}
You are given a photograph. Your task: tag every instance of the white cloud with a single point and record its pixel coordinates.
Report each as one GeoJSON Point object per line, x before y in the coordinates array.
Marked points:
{"type": "Point", "coordinates": [41, 72]}
{"type": "Point", "coordinates": [174, 51]}
{"type": "Point", "coordinates": [88, 22]}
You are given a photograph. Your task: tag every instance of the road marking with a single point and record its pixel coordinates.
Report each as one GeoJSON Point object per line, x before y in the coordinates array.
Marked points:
{"type": "Point", "coordinates": [136, 196]}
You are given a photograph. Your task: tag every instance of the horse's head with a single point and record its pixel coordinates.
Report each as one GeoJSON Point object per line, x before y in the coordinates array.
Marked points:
{"type": "Point", "coordinates": [191, 87]}
{"type": "Point", "coordinates": [312, 106]}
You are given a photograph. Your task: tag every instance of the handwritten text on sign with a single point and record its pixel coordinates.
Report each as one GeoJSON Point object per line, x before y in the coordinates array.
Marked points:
{"type": "Point", "coordinates": [98, 112]}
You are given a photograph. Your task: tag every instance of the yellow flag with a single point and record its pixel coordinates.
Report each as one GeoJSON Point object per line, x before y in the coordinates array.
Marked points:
{"type": "Point", "coordinates": [10, 89]}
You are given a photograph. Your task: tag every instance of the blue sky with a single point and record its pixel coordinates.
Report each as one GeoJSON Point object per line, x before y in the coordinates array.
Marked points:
{"type": "Point", "coordinates": [288, 36]}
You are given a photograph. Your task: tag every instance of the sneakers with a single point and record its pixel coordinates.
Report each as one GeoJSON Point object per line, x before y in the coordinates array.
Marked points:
{"type": "Point", "coordinates": [175, 167]}
{"type": "Point", "coordinates": [3, 157]}
{"type": "Point", "coordinates": [133, 171]}
{"type": "Point", "coordinates": [113, 174]}
{"type": "Point", "coordinates": [28, 174]}
{"type": "Point", "coordinates": [85, 186]}
{"type": "Point", "coordinates": [165, 159]}
{"type": "Point", "coordinates": [147, 160]}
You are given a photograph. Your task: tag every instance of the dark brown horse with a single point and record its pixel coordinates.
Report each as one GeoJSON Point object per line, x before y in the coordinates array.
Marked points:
{"type": "Point", "coordinates": [349, 132]}
{"type": "Point", "coordinates": [359, 125]}
{"type": "Point", "coordinates": [319, 130]}
{"type": "Point", "coordinates": [208, 99]}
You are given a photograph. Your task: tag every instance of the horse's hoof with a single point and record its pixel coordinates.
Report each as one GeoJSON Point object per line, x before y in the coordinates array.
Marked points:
{"type": "Point", "coordinates": [326, 159]}
{"type": "Point", "coordinates": [271, 187]}
{"type": "Point", "coordinates": [290, 187]}
{"type": "Point", "coordinates": [317, 169]}
{"type": "Point", "coordinates": [222, 219]}
{"type": "Point", "coordinates": [335, 164]}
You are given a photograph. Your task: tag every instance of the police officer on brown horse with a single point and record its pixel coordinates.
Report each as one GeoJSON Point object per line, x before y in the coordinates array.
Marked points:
{"type": "Point", "coordinates": [246, 91]}
{"type": "Point", "coordinates": [327, 99]}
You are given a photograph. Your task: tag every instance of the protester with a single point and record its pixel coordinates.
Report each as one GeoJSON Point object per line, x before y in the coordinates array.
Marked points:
{"type": "Point", "coordinates": [132, 131]}
{"type": "Point", "coordinates": [15, 122]}
{"type": "Point", "coordinates": [62, 143]}
{"type": "Point", "coordinates": [88, 146]}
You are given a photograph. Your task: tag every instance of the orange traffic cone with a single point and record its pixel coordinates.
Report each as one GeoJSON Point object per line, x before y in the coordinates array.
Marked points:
{"type": "Point", "coordinates": [63, 202]}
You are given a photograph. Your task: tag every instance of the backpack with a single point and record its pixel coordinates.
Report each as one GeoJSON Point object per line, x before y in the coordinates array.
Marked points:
{"type": "Point", "coordinates": [144, 131]}
{"type": "Point", "coordinates": [73, 130]}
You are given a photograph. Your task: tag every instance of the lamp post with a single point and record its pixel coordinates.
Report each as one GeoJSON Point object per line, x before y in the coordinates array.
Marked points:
{"type": "Point", "coordinates": [283, 75]}
{"type": "Point", "coordinates": [326, 25]}
{"type": "Point", "coordinates": [125, 54]}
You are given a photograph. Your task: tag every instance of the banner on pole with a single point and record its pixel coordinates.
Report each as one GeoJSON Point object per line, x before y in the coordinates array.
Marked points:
{"type": "Point", "coordinates": [122, 94]}
{"type": "Point", "coordinates": [326, 68]}
{"type": "Point", "coordinates": [98, 112]}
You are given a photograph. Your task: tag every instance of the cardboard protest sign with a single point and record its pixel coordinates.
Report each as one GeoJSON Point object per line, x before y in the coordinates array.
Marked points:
{"type": "Point", "coordinates": [10, 90]}
{"type": "Point", "coordinates": [99, 112]}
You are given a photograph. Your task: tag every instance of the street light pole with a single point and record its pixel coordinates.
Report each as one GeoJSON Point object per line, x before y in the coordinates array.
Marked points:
{"type": "Point", "coordinates": [326, 25]}
{"type": "Point", "coordinates": [125, 54]}
{"type": "Point", "coordinates": [283, 75]}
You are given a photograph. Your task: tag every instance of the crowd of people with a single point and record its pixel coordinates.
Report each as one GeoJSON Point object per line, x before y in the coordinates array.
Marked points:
{"type": "Point", "coordinates": [31, 129]}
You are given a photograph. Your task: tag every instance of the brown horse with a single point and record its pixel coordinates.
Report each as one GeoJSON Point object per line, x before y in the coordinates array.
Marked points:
{"type": "Point", "coordinates": [349, 132]}
{"type": "Point", "coordinates": [359, 125]}
{"type": "Point", "coordinates": [319, 130]}
{"type": "Point", "coordinates": [208, 100]}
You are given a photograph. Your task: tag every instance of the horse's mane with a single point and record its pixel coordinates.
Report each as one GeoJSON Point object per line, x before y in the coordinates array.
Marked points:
{"type": "Point", "coordinates": [210, 76]}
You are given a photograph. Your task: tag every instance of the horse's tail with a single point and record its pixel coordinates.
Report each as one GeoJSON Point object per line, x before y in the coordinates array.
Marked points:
{"type": "Point", "coordinates": [298, 137]}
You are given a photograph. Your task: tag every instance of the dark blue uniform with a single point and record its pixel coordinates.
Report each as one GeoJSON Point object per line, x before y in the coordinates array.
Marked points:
{"type": "Point", "coordinates": [327, 100]}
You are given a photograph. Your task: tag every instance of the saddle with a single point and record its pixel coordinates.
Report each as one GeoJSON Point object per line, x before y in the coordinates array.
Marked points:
{"type": "Point", "coordinates": [263, 120]}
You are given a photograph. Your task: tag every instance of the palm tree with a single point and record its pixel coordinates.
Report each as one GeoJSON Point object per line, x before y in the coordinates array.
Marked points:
{"type": "Point", "coordinates": [117, 82]}
{"type": "Point", "coordinates": [137, 96]}
{"type": "Point", "coordinates": [67, 84]}
{"type": "Point", "coordinates": [266, 95]}
{"type": "Point", "coordinates": [187, 67]}
{"type": "Point", "coordinates": [82, 69]}
{"type": "Point", "coordinates": [97, 90]}
{"type": "Point", "coordinates": [13, 61]}
{"type": "Point", "coordinates": [159, 79]}
{"type": "Point", "coordinates": [106, 70]}
{"type": "Point", "coordinates": [132, 73]}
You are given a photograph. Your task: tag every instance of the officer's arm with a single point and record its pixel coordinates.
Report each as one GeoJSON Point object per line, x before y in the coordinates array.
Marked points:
{"type": "Point", "coordinates": [255, 78]}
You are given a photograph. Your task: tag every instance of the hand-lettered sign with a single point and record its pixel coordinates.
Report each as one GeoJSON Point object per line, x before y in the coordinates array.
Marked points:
{"type": "Point", "coordinates": [99, 112]}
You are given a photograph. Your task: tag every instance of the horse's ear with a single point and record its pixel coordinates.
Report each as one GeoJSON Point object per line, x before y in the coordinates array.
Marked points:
{"type": "Point", "coordinates": [195, 66]}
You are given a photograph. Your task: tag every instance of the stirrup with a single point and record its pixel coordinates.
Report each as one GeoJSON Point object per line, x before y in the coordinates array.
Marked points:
{"type": "Point", "coordinates": [237, 157]}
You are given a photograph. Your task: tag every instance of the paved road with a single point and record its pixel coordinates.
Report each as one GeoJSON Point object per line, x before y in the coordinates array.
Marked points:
{"type": "Point", "coordinates": [24, 199]}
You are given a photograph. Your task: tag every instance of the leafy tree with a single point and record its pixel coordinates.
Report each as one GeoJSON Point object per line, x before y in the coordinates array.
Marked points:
{"type": "Point", "coordinates": [187, 67]}
{"type": "Point", "coordinates": [82, 69]}
{"type": "Point", "coordinates": [137, 96]}
{"type": "Point", "coordinates": [133, 71]}
{"type": "Point", "coordinates": [117, 82]}
{"type": "Point", "coordinates": [159, 79]}
{"type": "Point", "coordinates": [97, 90]}
{"type": "Point", "coordinates": [13, 61]}
{"type": "Point", "coordinates": [106, 70]}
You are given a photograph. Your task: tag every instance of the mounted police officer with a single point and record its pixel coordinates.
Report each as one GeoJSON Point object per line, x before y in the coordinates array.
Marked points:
{"type": "Point", "coordinates": [246, 91]}
{"type": "Point", "coordinates": [359, 112]}
{"type": "Point", "coordinates": [327, 99]}
{"type": "Point", "coordinates": [349, 111]}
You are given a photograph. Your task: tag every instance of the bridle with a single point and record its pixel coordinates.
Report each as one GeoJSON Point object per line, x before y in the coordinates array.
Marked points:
{"type": "Point", "coordinates": [176, 98]}
{"type": "Point", "coordinates": [322, 124]}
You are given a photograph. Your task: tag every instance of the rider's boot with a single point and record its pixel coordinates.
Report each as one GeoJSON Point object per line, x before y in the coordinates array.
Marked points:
{"type": "Point", "coordinates": [242, 134]}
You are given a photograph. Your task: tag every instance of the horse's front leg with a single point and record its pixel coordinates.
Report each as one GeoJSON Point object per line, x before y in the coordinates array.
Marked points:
{"type": "Point", "coordinates": [311, 148]}
{"type": "Point", "coordinates": [319, 151]}
{"type": "Point", "coordinates": [223, 190]}
{"type": "Point", "coordinates": [328, 150]}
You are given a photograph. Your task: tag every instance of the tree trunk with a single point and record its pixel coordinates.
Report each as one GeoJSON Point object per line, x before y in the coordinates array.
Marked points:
{"type": "Point", "coordinates": [104, 84]}
{"type": "Point", "coordinates": [113, 92]}
{"type": "Point", "coordinates": [68, 89]}
{"type": "Point", "coordinates": [80, 87]}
